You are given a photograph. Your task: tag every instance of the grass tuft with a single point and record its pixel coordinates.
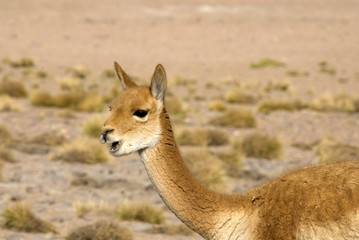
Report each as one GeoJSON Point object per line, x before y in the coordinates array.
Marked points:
{"type": "Point", "coordinates": [207, 168]}
{"type": "Point", "coordinates": [270, 106]}
{"type": "Point", "coordinates": [174, 107]}
{"type": "Point", "coordinates": [79, 71]}
{"type": "Point", "coordinates": [231, 161]}
{"type": "Point", "coordinates": [339, 103]}
{"type": "Point", "coordinates": [324, 67]}
{"type": "Point", "coordinates": [235, 118]}
{"type": "Point", "coordinates": [266, 62]}
{"type": "Point", "coordinates": [217, 105]}
{"type": "Point", "coordinates": [13, 88]}
{"type": "Point", "coordinates": [237, 95]}
{"type": "Point", "coordinates": [20, 217]}
{"type": "Point", "coordinates": [7, 105]}
{"type": "Point", "coordinates": [92, 127]}
{"type": "Point", "coordinates": [101, 230]}
{"type": "Point", "coordinates": [84, 150]}
{"type": "Point", "coordinates": [330, 151]}
{"type": "Point", "coordinates": [74, 99]}
{"type": "Point", "coordinates": [21, 63]}
{"type": "Point", "coordinates": [171, 229]}
{"type": "Point", "coordinates": [140, 212]}
{"type": "Point", "coordinates": [191, 137]}
{"type": "Point", "coordinates": [261, 146]}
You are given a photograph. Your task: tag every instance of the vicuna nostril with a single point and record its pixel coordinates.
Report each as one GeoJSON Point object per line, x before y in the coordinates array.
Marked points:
{"type": "Point", "coordinates": [103, 137]}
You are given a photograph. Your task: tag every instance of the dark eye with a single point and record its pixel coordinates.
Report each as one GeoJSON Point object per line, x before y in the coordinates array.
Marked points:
{"type": "Point", "coordinates": [140, 113]}
{"type": "Point", "coordinates": [110, 108]}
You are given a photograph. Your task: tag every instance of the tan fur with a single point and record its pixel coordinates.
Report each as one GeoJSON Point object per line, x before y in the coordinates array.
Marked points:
{"type": "Point", "coordinates": [313, 203]}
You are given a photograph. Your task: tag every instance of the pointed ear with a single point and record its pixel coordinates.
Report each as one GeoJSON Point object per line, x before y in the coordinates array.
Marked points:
{"type": "Point", "coordinates": [125, 80]}
{"type": "Point", "coordinates": [159, 83]}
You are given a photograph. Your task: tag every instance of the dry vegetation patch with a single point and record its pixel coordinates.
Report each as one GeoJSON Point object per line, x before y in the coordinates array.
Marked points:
{"type": "Point", "coordinates": [8, 105]}
{"type": "Point", "coordinates": [207, 168]}
{"type": "Point", "coordinates": [259, 145]}
{"type": "Point", "coordinates": [92, 127]}
{"type": "Point", "coordinates": [171, 229]}
{"type": "Point", "coordinates": [20, 63]}
{"type": "Point", "coordinates": [338, 103]}
{"type": "Point", "coordinates": [238, 95]}
{"type": "Point", "coordinates": [13, 88]}
{"type": "Point", "coordinates": [20, 217]}
{"type": "Point", "coordinates": [235, 118]}
{"type": "Point", "coordinates": [270, 106]}
{"type": "Point", "coordinates": [82, 150]}
{"type": "Point", "coordinates": [74, 99]}
{"type": "Point", "coordinates": [174, 107]}
{"type": "Point", "coordinates": [231, 161]}
{"type": "Point", "coordinates": [101, 230]}
{"type": "Point", "coordinates": [140, 212]}
{"type": "Point", "coordinates": [330, 151]}
{"type": "Point", "coordinates": [217, 105]}
{"type": "Point", "coordinates": [266, 62]}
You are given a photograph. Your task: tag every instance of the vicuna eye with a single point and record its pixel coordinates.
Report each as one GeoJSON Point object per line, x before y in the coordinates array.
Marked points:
{"type": "Point", "coordinates": [140, 113]}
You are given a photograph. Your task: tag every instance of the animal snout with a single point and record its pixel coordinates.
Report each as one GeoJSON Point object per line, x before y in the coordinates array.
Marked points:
{"type": "Point", "coordinates": [105, 131]}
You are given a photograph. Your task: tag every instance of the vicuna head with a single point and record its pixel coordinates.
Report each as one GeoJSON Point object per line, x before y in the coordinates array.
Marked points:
{"type": "Point", "coordinates": [134, 123]}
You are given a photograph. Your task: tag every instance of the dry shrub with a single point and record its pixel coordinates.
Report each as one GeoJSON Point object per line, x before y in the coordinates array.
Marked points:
{"type": "Point", "coordinates": [21, 63]}
{"type": "Point", "coordinates": [101, 230]}
{"type": "Point", "coordinates": [324, 67]}
{"type": "Point", "coordinates": [69, 83]}
{"type": "Point", "coordinates": [140, 212]}
{"type": "Point", "coordinates": [217, 137]}
{"type": "Point", "coordinates": [261, 146]}
{"type": "Point", "coordinates": [191, 137]}
{"type": "Point", "coordinates": [277, 86]}
{"type": "Point", "coordinates": [91, 102]}
{"type": "Point", "coordinates": [217, 105]}
{"type": "Point", "coordinates": [109, 73]}
{"type": "Point", "coordinates": [92, 127]}
{"type": "Point", "coordinates": [79, 71]}
{"type": "Point", "coordinates": [82, 150]}
{"type": "Point", "coordinates": [41, 98]}
{"type": "Point", "coordinates": [82, 209]}
{"type": "Point", "coordinates": [238, 95]}
{"type": "Point", "coordinates": [174, 107]}
{"type": "Point", "coordinates": [231, 161]}
{"type": "Point", "coordinates": [270, 106]}
{"type": "Point", "coordinates": [7, 105]}
{"type": "Point", "coordinates": [13, 88]}
{"type": "Point", "coordinates": [267, 62]}
{"type": "Point", "coordinates": [201, 137]}
{"type": "Point", "coordinates": [339, 103]}
{"type": "Point", "coordinates": [5, 136]}
{"type": "Point", "coordinates": [332, 151]}
{"type": "Point", "coordinates": [235, 118]}
{"type": "Point", "coordinates": [181, 81]}
{"type": "Point", "coordinates": [74, 99]}
{"type": "Point", "coordinates": [6, 155]}
{"type": "Point", "coordinates": [1, 167]}
{"type": "Point", "coordinates": [207, 168]}
{"type": "Point", "coordinates": [20, 217]}
{"type": "Point", "coordinates": [47, 138]}
{"type": "Point", "coordinates": [171, 229]}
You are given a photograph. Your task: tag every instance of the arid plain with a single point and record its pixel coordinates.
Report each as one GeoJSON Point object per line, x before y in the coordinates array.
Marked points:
{"type": "Point", "coordinates": [288, 69]}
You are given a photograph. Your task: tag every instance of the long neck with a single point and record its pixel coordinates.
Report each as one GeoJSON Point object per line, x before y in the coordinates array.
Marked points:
{"type": "Point", "coordinates": [212, 215]}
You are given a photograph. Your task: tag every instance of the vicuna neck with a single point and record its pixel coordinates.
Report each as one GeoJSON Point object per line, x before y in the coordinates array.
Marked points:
{"type": "Point", "coordinates": [212, 215]}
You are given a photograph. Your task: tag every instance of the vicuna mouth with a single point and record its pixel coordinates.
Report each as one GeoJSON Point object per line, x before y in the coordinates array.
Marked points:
{"type": "Point", "coordinates": [115, 146]}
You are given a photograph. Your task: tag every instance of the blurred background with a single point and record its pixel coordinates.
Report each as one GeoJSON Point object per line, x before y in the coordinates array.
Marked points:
{"type": "Point", "coordinates": [256, 89]}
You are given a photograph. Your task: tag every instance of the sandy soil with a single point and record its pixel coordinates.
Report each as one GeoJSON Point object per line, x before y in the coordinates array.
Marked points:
{"type": "Point", "coordinates": [205, 40]}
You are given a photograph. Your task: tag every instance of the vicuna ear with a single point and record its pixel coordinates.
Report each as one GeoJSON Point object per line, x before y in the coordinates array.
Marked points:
{"type": "Point", "coordinates": [125, 80]}
{"type": "Point", "coordinates": [159, 83]}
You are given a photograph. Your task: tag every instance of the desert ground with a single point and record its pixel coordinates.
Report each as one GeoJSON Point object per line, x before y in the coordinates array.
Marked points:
{"type": "Point", "coordinates": [220, 57]}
